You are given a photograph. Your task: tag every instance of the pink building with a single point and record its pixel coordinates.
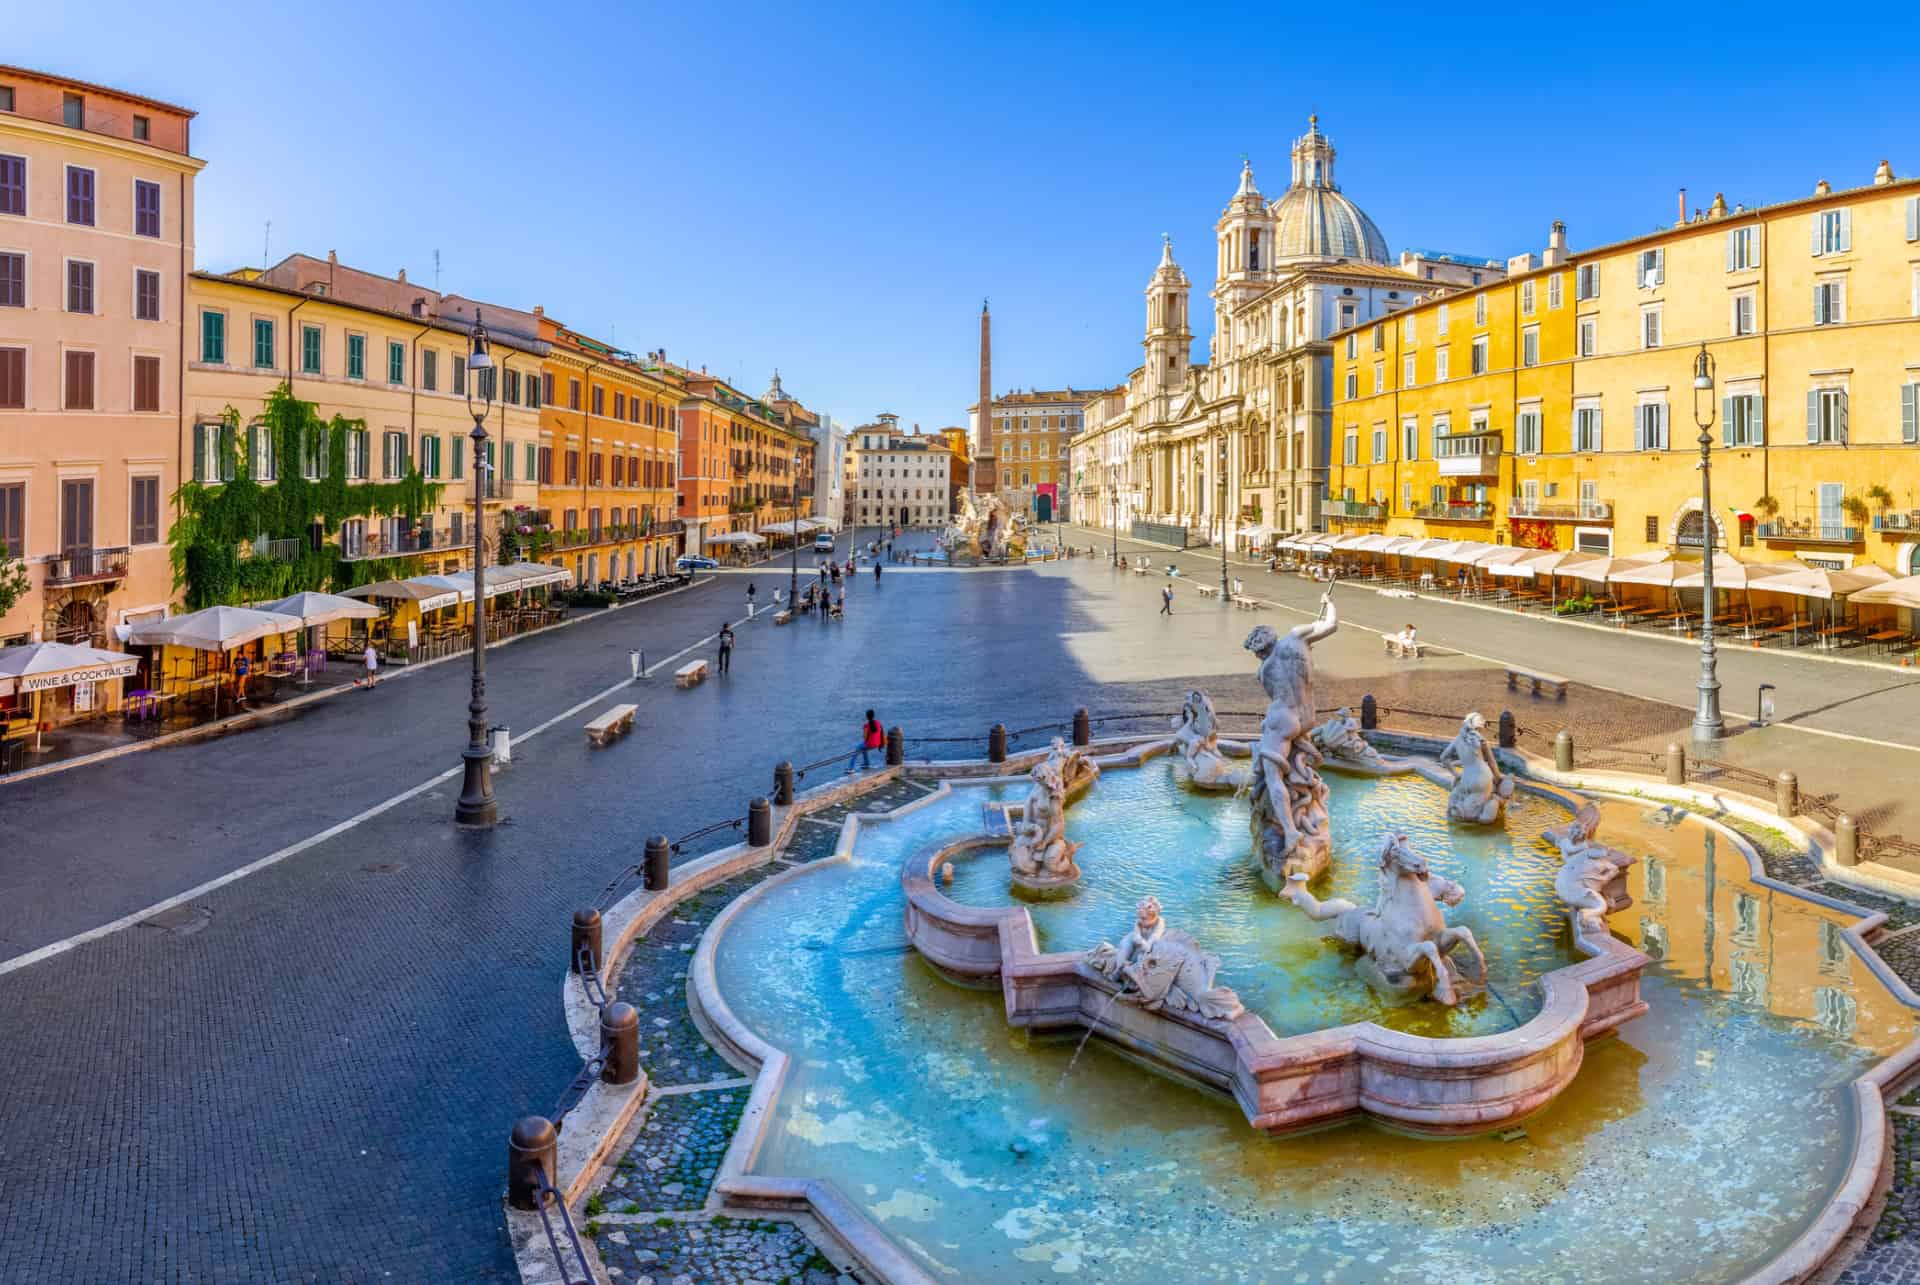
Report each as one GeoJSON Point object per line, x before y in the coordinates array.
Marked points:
{"type": "Point", "coordinates": [96, 239]}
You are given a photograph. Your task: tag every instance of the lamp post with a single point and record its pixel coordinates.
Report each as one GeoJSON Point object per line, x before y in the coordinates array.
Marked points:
{"type": "Point", "coordinates": [793, 530]}
{"type": "Point", "coordinates": [476, 805]}
{"type": "Point", "coordinates": [1113, 483]}
{"type": "Point", "coordinates": [1223, 517]}
{"type": "Point", "coordinates": [1707, 723]}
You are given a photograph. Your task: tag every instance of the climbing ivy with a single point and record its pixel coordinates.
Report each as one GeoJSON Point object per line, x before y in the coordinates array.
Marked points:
{"type": "Point", "coordinates": [14, 581]}
{"type": "Point", "coordinates": [217, 522]}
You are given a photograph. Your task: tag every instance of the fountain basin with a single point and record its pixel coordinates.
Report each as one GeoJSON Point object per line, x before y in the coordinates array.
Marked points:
{"type": "Point", "coordinates": [1433, 1087]}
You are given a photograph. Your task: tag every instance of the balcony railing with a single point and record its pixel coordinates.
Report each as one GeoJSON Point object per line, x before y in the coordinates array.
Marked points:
{"type": "Point", "coordinates": [1468, 455]}
{"type": "Point", "coordinates": [87, 566]}
{"type": "Point", "coordinates": [1903, 522]}
{"type": "Point", "coordinates": [1455, 511]}
{"type": "Point", "coordinates": [377, 544]}
{"type": "Point", "coordinates": [1521, 506]}
{"type": "Point", "coordinates": [279, 550]}
{"type": "Point", "coordinates": [1354, 510]}
{"type": "Point", "coordinates": [1796, 532]}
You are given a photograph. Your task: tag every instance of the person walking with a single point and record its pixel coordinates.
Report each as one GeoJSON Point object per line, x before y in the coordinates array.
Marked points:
{"type": "Point", "coordinates": [1166, 600]}
{"type": "Point", "coordinates": [876, 573]}
{"type": "Point", "coordinates": [872, 737]}
{"type": "Point", "coordinates": [372, 661]}
{"type": "Point", "coordinates": [726, 647]}
{"type": "Point", "coordinates": [750, 600]}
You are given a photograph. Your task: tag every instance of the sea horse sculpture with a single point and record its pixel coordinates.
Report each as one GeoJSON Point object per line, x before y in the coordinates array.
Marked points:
{"type": "Point", "coordinates": [1480, 794]}
{"type": "Point", "coordinates": [1404, 938]}
{"type": "Point", "coordinates": [1288, 799]}
{"type": "Point", "coordinates": [1196, 735]}
{"type": "Point", "coordinates": [1589, 879]}
{"type": "Point", "coordinates": [1164, 969]}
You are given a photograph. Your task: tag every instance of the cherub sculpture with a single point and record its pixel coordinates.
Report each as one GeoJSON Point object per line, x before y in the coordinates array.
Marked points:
{"type": "Point", "coordinates": [1163, 969]}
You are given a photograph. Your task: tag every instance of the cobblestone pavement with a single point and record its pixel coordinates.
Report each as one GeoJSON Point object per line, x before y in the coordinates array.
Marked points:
{"type": "Point", "coordinates": [1892, 1255]}
{"type": "Point", "coordinates": [677, 1152]}
{"type": "Point", "coordinates": [733, 1251]}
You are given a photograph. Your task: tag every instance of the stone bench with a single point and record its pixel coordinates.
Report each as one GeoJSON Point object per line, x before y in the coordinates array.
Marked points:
{"type": "Point", "coordinates": [782, 617]}
{"type": "Point", "coordinates": [1399, 647]}
{"type": "Point", "coordinates": [1245, 603]}
{"type": "Point", "coordinates": [1141, 568]}
{"type": "Point", "coordinates": [612, 723]}
{"type": "Point", "coordinates": [1208, 591]}
{"type": "Point", "coordinates": [690, 673]}
{"type": "Point", "coordinates": [1538, 679]}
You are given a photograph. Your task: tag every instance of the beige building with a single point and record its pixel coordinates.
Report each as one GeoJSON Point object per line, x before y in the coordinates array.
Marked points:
{"type": "Point", "coordinates": [900, 479]}
{"type": "Point", "coordinates": [96, 235]}
{"type": "Point", "coordinates": [1031, 429]}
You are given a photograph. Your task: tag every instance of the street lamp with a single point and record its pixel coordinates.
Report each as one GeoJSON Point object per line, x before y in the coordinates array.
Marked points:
{"type": "Point", "coordinates": [1707, 723]}
{"type": "Point", "coordinates": [476, 805]}
{"type": "Point", "coordinates": [1223, 517]}
{"type": "Point", "coordinates": [793, 530]}
{"type": "Point", "coordinates": [1113, 483]}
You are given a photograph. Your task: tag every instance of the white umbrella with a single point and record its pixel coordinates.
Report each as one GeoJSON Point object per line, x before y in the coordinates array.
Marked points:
{"type": "Point", "coordinates": [1904, 592]}
{"type": "Point", "coordinates": [528, 575]}
{"type": "Point", "coordinates": [1603, 569]}
{"type": "Point", "coordinates": [1825, 584]}
{"type": "Point", "coordinates": [212, 628]}
{"type": "Point", "coordinates": [1730, 572]}
{"type": "Point", "coordinates": [1468, 552]}
{"type": "Point", "coordinates": [322, 608]}
{"type": "Point", "coordinates": [428, 597]}
{"type": "Point", "coordinates": [39, 667]}
{"type": "Point", "coordinates": [735, 537]}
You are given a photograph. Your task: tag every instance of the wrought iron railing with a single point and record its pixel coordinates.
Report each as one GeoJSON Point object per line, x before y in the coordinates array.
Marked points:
{"type": "Point", "coordinates": [82, 566]}
{"type": "Point", "coordinates": [1455, 511]}
{"type": "Point", "coordinates": [1808, 532]}
{"type": "Point", "coordinates": [1521, 506]}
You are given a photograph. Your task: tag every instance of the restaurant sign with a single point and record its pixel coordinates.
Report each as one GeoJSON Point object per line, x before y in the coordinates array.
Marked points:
{"type": "Point", "coordinates": [73, 677]}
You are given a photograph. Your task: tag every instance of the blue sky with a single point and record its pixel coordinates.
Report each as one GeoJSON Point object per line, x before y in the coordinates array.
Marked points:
{"type": "Point", "coordinates": [832, 189]}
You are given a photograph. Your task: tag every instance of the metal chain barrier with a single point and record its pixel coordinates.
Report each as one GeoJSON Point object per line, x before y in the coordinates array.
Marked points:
{"type": "Point", "coordinates": [566, 1224]}
{"type": "Point", "coordinates": [570, 1097]}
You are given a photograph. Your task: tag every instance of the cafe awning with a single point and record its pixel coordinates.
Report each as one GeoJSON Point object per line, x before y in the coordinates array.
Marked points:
{"type": "Point", "coordinates": [526, 575]}
{"type": "Point", "coordinates": [212, 628]}
{"type": "Point", "coordinates": [322, 608]}
{"type": "Point", "coordinates": [425, 597]}
{"type": "Point", "coordinates": [735, 537]}
{"type": "Point", "coordinates": [37, 667]}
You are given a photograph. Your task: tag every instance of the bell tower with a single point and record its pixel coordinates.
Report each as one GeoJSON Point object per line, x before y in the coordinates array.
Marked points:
{"type": "Point", "coordinates": [1169, 339]}
{"type": "Point", "coordinates": [1245, 243]}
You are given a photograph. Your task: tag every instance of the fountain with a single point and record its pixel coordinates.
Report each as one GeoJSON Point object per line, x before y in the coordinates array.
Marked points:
{"type": "Point", "coordinates": [1196, 736]}
{"type": "Point", "coordinates": [1481, 793]}
{"type": "Point", "coordinates": [1163, 969]}
{"type": "Point", "coordinates": [1039, 853]}
{"type": "Point", "coordinates": [1289, 800]}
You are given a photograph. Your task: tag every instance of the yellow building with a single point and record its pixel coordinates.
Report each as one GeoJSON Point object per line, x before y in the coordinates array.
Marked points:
{"type": "Point", "coordinates": [1585, 435]}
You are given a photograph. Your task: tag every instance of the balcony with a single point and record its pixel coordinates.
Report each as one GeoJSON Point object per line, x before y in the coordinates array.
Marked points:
{"type": "Point", "coordinates": [1899, 523]}
{"type": "Point", "coordinates": [1353, 511]}
{"type": "Point", "coordinates": [1521, 506]}
{"type": "Point", "coordinates": [376, 544]}
{"type": "Point", "coordinates": [1455, 511]}
{"type": "Point", "coordinates": [87, 566]}
{"type": "Point", "coordinates": [1468, 455]}
{"type": "Point", "coordinates": [1807, 532]}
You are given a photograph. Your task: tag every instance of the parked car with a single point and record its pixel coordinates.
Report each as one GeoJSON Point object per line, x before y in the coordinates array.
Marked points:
{"type": "Point", "coordinates": [694, 562]}
{"type": "Point", "coordinates": [823, 543]}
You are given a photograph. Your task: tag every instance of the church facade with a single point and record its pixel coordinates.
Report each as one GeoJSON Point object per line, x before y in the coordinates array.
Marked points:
{"type": "Point", "coordinates": [1238, 447]}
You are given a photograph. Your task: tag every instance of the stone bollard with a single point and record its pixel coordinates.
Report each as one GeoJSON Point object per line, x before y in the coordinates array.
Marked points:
{"type": "Point", "coordinates": [1846, 841]}
{"type": "Point", "coordinates": [620, 1035]}
{"type": "Point", "coordinates": [1786, 795]}
{"type": "Point", "coordinates": [1082, 727]}
{"type": "Point", "coordinates": [783, 784]}
{"type": "Point", "coordinates": [532, 1154]}
{"type": "Point", "coordinates": [1563, 751]}
{"type": "Point", "coordinates": [759, 823]}
{"type": "Point", "coordinates": [1676, 765]}
{"type": "Point", "coordinates": [1509, 734]}
{"type": "Point", "coordinates": [586, 934]}
{"type": "Point", "coordinates": [997, 743]}
{"type": "Point", "coordinates": [1369, 712]}
{"type": "Point", "coordinates": [659, 858]}
{"type": "Point", "coordinates": [896, 746]}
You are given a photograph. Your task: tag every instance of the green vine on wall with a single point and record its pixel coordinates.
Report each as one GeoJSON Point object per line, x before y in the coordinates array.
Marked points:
{"type": "Point", "coordinates": [218, 520]}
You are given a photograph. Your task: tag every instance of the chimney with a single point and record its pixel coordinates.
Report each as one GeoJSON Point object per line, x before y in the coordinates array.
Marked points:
{"type": "Point", "coordinates": [1556, 251]}
{"type": "Point", "coordinates": [539, 310]}
{"type": "Point", "coordinates": [1719, 208]}
{"type": "Point", "coordinates": [401, 276]}
{"type": "Point", "coordinates": [333, 260]}
{"type": "Point", "coordinates": [1683, 205]}
{"type": "Point", "coordinates": [1823, 188]}
{"type": "Point", "coordinates": [1883, 175]}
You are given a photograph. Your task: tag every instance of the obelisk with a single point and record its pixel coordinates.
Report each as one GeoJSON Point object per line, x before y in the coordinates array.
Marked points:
{"type": "Point", "coordinates": [985, 475]}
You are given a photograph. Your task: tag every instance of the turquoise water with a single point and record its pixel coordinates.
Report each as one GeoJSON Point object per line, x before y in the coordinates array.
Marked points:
{"type": "Point", "coordinates": [1694, 1146]}
{"type": "Point", "coordinates": [1142, 833]}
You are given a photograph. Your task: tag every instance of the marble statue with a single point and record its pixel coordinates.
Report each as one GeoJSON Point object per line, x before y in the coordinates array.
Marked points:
{"type": "Point", "coordinates": [1404, 939]}
{"type": "Point", "coordinates": [1289, 800]}
{"type": "Point", "coordinates": [1041, 855]}
{"type": "Point", "coordinates": [1339, 738]}
{"type": "Point", "coordinates": [1480, 794]}
{"type": "Point", "coordinates": [1589, 879]}
{"type": "Point", "coordinates": [1075, 766]}
{"type": "Point", "coordinates": [1163, 969]}
{"type": "Point", "coordinates": [1196, 736]}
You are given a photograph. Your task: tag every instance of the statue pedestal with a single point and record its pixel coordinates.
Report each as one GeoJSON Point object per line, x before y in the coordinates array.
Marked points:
{"type": "Point", "coordinates": [1310, 857]}
{"type": "Point", "coordinates": [1045, 887]}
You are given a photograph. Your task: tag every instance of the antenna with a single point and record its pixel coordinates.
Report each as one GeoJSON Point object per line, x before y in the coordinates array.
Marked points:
{"type": "Point", "coordinates": [266, 250]}
{"type": "Point", "coordinates": [436, 272]}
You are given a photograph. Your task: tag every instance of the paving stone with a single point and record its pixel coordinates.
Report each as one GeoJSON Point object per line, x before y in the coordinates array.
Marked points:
{"type": "Point", "coordinates": [730, 1250]}
{"type": "Point", "coordinates": [677, 1151]}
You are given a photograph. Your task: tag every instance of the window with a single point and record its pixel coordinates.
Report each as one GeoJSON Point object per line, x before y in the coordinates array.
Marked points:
{"type": "Point", "coordinates": [573, 394]}
{"type": "Point", "coordinates": [1832, 232]}
{"type": "Point", "coordinates": [146, 383]}
{"type": "Point", "coordinates": [1441, 360]}
{"type": "Point", "coordinates": [1480, 310]}
{"type": "Point", "coordinates": [79, 382]}
{"type": "Point", "coordinates": [1530, 346]}
{"type": "Point", "coordinates": [312, 453]}
{"type": "Point", "coordinates": [310, 349]}
{"type": "Point", "coordinates": [79, 196]}
{"type": "Point", "coordinates": [393, 454]}
{"type": "Point", "coordinates": [1743, 249]}
{"type": "Point", "coordinates": [573, 468]}
{"type": "Point", "coordinates": [1650, 327]}
{"type": "Point", "coordinates": [1829, 303]}
{"type": "Point", "coordinates": [1410, 439]}
{"type": "Point", "coordinates": [1526, 298]}
{"type": "Point", "coordinates": [1653, 269]}
{"type": "Point", "coordinates": [13, 378]}
{"type": "Point", "coordinates": [1407, 330]}
{"type": "Point", "coordinates": [146, 208]}
{"type": "Point", "coordinates": [396, 362]}
{"type": "Point", "coordinates": [1586, 281]}
{"type": "Point", "coordinates": [459, 469]}
{"type": "Point", "coordinates": [1407, 371]}
{"type": "Point", "coordinates": [1586, 428]}
{"type": "Point", "coordinates": [1442, 429]}
{"type": "Point", "coordinates": [1554, 290]}
{"type": "Point", "coordinates": [359, 443]}
{"type": "Point", "coordinates": [1589, 336]}
{"type": "Point", "coordinates": [533, 465]}
{"type": "Point", "coordinates": [1650, 427]}
{"type": "Point", "coordinates": [512, 385]}
{"type": "Point", "coordinates": [430, 457]}
{"type": "Point", "coordinates": [1478, 357]}
{"type": "Point", "coordinates": [619, 405]}
{"type": "Point", "coordinates": [13, 280]}
{"type": "Point", "coordinates": [430, 369]}
{"type": "Point", "coordinates": [146, 295]}
{"type": "Point", "coordinates": [1743, 314]}
{"type": "Point", "coordinates": [1379, 446]}
{"type": "Point", "coordinates": [1526, 432]}
{"type": "Point", "coordinates": [1653, 529]}
{"type": "Point", "coordinates": [260, 457]}
{"type": "Point", "coordinates": [356, 356]}
{"type": "Point", "coordinates": [1440, 320]}
{"type": "Point", "coordinates": [1913, 218]}
{"type": "Point", "coordinates": [599, 400]}
{"type": "Point", "coordinates": [1742, 420]}
{"type": "Point", "coordinates": [142, 129]}
{"type": "Point", "coordinates": [1379, 376]}
{"type": "Point", "coordinates": [1353, 384]}
{"type": "Point", "coordinates": [6, 98]}
{"type": "Point", "coordinates": [79, 286]}
{"type": "Point", "coordinates": [263, 343]}
{"type": "Point", "coordinates": [143, 526]}
{"type": "Point", "coordinates": [1350, 448]}
{"type": "Point", "coordinates": [1910, 412]}
{"type": "Point", "coordinates": [1827, 415]}
{"type": "Point", "coordinates": [13, 185]}
{"type": "Point", "coordinates": [1352, 345]}
{"type": "Point", "coordinates": [73, 111]}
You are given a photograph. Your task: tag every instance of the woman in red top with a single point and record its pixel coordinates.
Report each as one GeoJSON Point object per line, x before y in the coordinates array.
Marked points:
{"type": "Point", "coordinates": [872, 737]}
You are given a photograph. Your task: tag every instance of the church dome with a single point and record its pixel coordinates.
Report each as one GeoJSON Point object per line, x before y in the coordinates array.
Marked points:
{"type": "Point", "coordinates": [1313, 219]}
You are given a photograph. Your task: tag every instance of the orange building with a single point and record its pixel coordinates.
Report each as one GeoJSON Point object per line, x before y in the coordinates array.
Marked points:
{"type": "Point", "coordinates": [742, 462]}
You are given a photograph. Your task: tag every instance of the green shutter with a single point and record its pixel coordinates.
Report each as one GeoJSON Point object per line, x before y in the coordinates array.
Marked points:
{"type": "Point", "coordinates": [1813, 414]}
{"type": "Point", "coordinates": [459, 457]}
{"type": "Point", "coordinates": [200, 452]}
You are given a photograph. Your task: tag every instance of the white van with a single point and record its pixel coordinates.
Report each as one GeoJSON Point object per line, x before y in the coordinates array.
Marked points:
{"type": "Point", "coordinates": [823, 542]}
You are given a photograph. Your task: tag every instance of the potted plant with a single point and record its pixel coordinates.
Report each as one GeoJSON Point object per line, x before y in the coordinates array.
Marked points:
{"type": "Point", "coordinates": [1856, 508]}
{"type": "Point", "coordinates": [1882, 498]}
{"type": "Point", "coordinates": [1767, 507]}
